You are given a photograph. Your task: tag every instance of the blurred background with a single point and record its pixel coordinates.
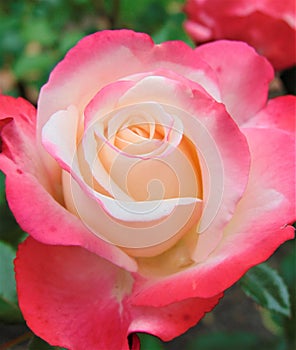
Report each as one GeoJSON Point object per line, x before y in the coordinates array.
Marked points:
{"type": "Point", "coordinates": [34, 36]}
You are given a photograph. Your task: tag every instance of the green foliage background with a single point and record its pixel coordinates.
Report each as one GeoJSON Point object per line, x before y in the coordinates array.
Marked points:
{"type": "Point", "coordinates": [34, 36]}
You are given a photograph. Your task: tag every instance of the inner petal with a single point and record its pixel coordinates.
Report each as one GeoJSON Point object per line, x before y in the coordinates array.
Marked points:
{"type": "Point", "coordinates": [140, 131]}
{"type": "Point", "coordinates": [134, 144]}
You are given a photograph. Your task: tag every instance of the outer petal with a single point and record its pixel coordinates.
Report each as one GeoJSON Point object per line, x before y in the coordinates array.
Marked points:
{"type": "Point", "coordinates": [279, 113]}
{"type": "Point", "coordinates": [282, 10]}
{"type": "Point", "coordinates": [28, 186]}
{"type": "Point", "coordinates": [267, 25]}
{"type": "Point", "coordinates": [115, 55]}
{"type": "Point", "coordinates": [170, 321]}
{"type": "Point", "coordinates": [76, 300]}
{"type": "Point", "coordinates": [81, 301]}
{"type": "Point", "coordinates": [17, 130]}
{"type": "Point", "coordinates": [258, 227]}
{"type": "Point", "coordinates": [244, 79]}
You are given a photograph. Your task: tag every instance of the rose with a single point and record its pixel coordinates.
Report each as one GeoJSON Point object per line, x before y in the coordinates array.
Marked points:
{"type": "Point", "coordinates": [204, 108]}
{"type": "Point", "coordinates": [120, 114]}
{"type": "Point", "coordinates": [268, 25]}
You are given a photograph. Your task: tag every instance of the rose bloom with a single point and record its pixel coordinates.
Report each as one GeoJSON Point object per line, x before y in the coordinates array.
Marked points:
{"type": "Point", "coordinates": [150, 179]}
{"type": "Point", "coordinates": [268, 25]}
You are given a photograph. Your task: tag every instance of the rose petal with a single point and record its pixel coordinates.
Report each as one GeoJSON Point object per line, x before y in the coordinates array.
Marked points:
{"type": "Point", "coordinates": [279, 113]}
{"type": "Point", "coordinates": [80, 300]}
{"type": "Point", "coordinates": [268, 26]}
{"type": "Point", "coordinates": [65, 152]}
{"type": "Point", "coordinates": [105, 57]}
{"type": "Point", "coordinates": [77, 301]}
{"type": "Point", "coordinates": [253, 234]}
{"type": "Point", "coordinates": [249, 86]}
{"type": "Point", "coordinates": [17, 125]}
{"type": "Point", "coordinates": [138, 225]}
{"type": "Point", "coordinates": [170, 321]}
{"type": "Point", "coordinates": [45, 218]}
{"type": "Point", "coordinates": [241, 7]}
{"type": "Point", "coordinates": [59, 137]}
{"type": "Point", "coordinates": [213, 133]}
{"type": "Point", "coordinates": [118, 221]}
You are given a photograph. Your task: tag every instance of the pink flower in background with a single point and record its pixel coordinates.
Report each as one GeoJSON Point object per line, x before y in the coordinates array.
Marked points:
{"type": "Point", "coordinates": [151, 178]}
{"type": "Point", "coordinates": [268, 25]}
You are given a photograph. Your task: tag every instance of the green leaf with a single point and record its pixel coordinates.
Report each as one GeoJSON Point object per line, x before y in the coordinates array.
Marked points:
{"type": "Point", "coordinates": [2, 188]}
{"type": "Point", "coordinates": [149, 342]}
{"type": "Point", "coordinates": [173, 30]}
{"type": "Point", "coordinates": [10, 36]}
{"type": "Point", "coordinates": [32, 67]}
{"type": "Point", "coordinates": [267, 288]}
{"type": "Point", "coordinates": [69, 39]}
{"type": "Point", "coordinates": [287, 265]}
{"type": "Point", "coordinates": [225, 341]}
{"type": "Point", "coordinates": [10, 232]}
{"type": "Point", "coordinates": [9, 310]}
{"type": "Point", "coordinates": [39, 30]}
{"type": "Point", "coordinates": [148, 14]}
{"type": "Point", "coordinates": [38, 343]}
{"type": "Point", "coordinates": [272, 321]}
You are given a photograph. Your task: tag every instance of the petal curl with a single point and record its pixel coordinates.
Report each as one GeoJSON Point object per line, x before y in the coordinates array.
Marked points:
{"type": "Point", "coordinates": [17, 128]}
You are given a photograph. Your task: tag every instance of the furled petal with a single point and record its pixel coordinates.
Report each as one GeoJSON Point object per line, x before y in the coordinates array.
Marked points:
{"type": "Point", "coordinates": [115, 220]}
{"type": "Point", "coordinates": [213, 133]}
{"type": "Point", "coordinates": [259, 225]}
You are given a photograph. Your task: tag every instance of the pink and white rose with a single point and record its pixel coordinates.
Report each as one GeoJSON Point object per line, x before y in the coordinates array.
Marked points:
{"type": "Point", "coordinates": [268, 25]}
{"type": "Point", "coordinates": [150, 179]}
